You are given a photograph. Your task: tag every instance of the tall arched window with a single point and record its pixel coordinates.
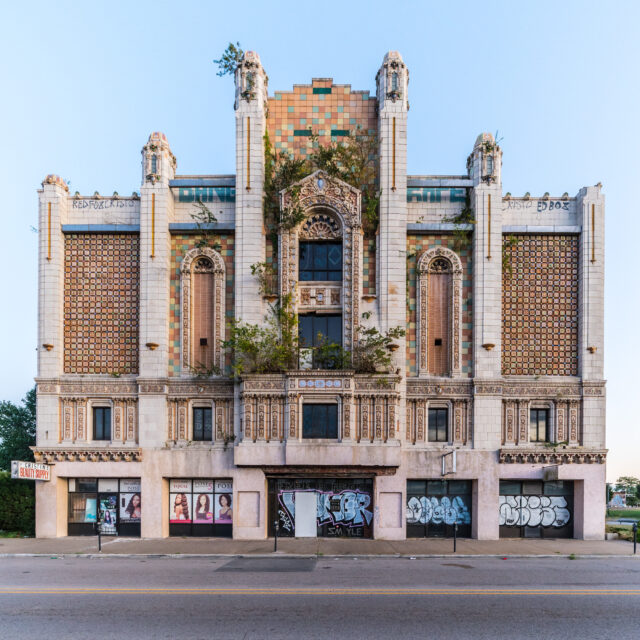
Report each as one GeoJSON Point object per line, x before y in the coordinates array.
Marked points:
{"type": "Point", "coordinates": [439, 313]}
{"type": "Point", "coordinates": [203, 274]}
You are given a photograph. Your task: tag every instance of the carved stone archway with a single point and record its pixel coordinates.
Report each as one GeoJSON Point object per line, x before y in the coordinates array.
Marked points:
{"type": "Point", "coordinates": [440, 260]}
{"type": "Point", "coordinates": [333, 210]}
{"type": "Point", "coordinates": [202, 260]}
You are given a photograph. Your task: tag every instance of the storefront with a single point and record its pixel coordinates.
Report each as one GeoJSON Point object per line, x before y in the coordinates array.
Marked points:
{"type": "Point", "coordinates": [201, 507]}
{"type": "Point", "coordinates": [115, 502]}
{"type": "Point", "coordinates": [536, 509]}
{"type": "Point", "coordinates": [435, 506]}
{"type": "Point", "coordinates": [321, 507]}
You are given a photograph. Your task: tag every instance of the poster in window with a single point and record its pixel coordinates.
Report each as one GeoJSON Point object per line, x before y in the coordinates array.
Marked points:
{"type": "Point", "coordinates": [180, 486]}
{"type": "Point", "coordinates": [203, 486]}
{"type": "Point", "coordinates": [223, 510]}
{"type": "Point", "coordinates": [108, 513]}
{"type": "Point", "coordinates": [202, 508]}
{"type": "Point", "coordinates": [224, 486]}
{"type": "Point", "coordinates": [130, 507]}
{"type": "Point", "coordinates": [180, 505]}
{"type": "Point", "coordinates": [90, 510]}
{"type": "Point", "coordinates": [130, 485]}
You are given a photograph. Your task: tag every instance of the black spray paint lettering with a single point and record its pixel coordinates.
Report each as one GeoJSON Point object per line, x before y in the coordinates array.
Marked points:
{"type": "Point", "coordinates": [534, 511]}
{"type": "Point", "coordinates": [104, 204]}
{"type": "Point", "coordinates": [548, 205]}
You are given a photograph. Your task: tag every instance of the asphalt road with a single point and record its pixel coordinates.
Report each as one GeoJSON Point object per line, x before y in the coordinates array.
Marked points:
{"type": "Point", "coordinates": [248, 598]}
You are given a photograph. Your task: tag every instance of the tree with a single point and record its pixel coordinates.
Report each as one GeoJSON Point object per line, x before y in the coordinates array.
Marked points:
{"type": "Point", "coordinates": [17, 430]}
{"type": "Point", "coordinates": [230, 59]}
{"type": "Point", "coordinates": [628, 484]}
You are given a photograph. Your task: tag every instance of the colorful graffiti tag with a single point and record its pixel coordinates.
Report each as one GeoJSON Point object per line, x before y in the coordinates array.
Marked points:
{"type": "Point", "coordinates": [346, 509]}
{"type": "Point", "coordinates": [534, 511]}
{"type": "Point", "coordinates": [425, 510]}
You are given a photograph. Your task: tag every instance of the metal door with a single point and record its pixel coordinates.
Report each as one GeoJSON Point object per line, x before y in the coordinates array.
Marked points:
{"type": "Point", "coordinates": [306, 512]}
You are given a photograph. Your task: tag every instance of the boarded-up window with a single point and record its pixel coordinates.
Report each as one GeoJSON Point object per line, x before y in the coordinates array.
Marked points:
{"type": "Point", "coordinates": [203, 336]}
{"type": "Point", "coordinates": [439, 321]}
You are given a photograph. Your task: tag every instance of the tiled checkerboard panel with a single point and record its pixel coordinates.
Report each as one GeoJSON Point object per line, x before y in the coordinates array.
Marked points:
{"type": "Point", "coordinates": [540, 306]}
{"type": "Point", "coordinates": [101, 297]}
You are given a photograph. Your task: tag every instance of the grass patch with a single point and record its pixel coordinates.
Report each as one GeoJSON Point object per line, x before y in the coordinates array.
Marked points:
{"type": "Point", "coordinates": [623, 513]}
{"type": "Point", "coordinates": [572, 556]}
{"type": "Point", "coordinates": [624, 532]}
{"type": "Point", "coordinates": [10, 534]}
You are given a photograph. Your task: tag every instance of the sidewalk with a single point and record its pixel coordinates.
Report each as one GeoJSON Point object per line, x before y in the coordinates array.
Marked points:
{"type": "Point", "coordinates": [174, 547]}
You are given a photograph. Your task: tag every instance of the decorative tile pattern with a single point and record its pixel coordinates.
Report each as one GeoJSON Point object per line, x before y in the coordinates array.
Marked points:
{"type": "Point", "coordinates": [180, 245]}
{"type": "Point", "coordinates": [415, 247]}
{"type": "Point", "coordinates": [369, 267]}
{"type": "Point", "coordinates": [540, 306]}
{"type": "Point", "coordinates": [331, 110]}
{"type": "Point", "coordinates": [101, 296]}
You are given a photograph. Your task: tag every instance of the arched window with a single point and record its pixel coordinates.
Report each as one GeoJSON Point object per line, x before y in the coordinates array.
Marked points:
{"type": "Point", "coordinates": [203, 274]}
{"type": "Point", "coordinates": [439, 313]}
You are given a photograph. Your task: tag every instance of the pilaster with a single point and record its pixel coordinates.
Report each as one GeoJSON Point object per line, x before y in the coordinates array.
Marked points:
{"type": "Point", "coordinates": [156, 209]}
{"type": "Point", "coordinates": [250, 106]}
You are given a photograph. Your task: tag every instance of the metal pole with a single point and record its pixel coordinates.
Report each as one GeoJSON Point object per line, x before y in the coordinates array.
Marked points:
{"type": "Point", "coordinates": [635, 537]}
{"type": "Point", "coordinates": [455, 537]}
{"type": "Point", "coordinates": [99, 525]}
{"type": "Point", "coordinates": [275, 538]}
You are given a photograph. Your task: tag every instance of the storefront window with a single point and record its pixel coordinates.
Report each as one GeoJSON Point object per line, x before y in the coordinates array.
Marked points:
{"type": "Point", "coordinates": [536, 509]}
{"type": "Point", "coordinates": [434, 507]}
{"type": "Point", "coordinates": [116, 503]}
{"type": "Point", "coordinates": [200, 507]}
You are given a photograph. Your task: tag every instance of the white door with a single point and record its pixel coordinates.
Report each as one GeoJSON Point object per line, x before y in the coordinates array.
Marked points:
{"type": "Point", "coordinates": [305, 514]}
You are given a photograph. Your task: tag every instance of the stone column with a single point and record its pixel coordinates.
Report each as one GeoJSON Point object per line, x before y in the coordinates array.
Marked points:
{"type": "Point", "coordinates": [156, 210]}
{"type": "Point", "coordinates": [250, 106]}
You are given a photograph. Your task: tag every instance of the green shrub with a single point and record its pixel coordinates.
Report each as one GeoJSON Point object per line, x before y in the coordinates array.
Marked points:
{"type": "Point", "coordinates": [17, 504]}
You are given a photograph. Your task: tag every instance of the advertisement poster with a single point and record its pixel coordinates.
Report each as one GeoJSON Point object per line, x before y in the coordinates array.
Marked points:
{"type": "Point", "coordinates": [108, 510]}
{"type": "Point", "coordinates": [223, 510]}
{"type": "Point", "coordinates": [180, 486]}
{"type": "Point", "coordinates": [180, 507]}
{"type": "Point", "coordinates": [130, 507]}
{"type": "Point", "coordinates": [202, 507]}
{"type": "Point", "coordinates": [90, 510]}
{"type": "Point", "coordinates": [130, 485]}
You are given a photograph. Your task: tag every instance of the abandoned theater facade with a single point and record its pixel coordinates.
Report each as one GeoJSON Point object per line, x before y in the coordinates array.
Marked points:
{"type": "Point", "coordinates": [490, 417]}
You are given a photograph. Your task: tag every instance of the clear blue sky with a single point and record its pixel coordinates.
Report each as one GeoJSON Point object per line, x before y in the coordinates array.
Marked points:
{"type": "Point", "coordinates": [85, 83]}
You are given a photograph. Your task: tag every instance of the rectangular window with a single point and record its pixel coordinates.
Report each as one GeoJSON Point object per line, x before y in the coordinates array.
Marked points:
{"type": "Point", "coordinates": [539, 425]}
{"type": "Point", "coordinates": [202, 429]}
{"type": "Point", "coordinates": [316, 330]}
{"type": "Point", "coordinates": [320, 421]}
{"type": "Point", "coordinates": [320, 261]}
{"type": "Point", "coordinates": [102, 423]}
{"type": "Point", "coordinates": [438, 423]}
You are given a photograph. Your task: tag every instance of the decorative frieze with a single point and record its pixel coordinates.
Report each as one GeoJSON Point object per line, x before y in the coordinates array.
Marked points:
{"type": "Point", "coordinates": [552, 456]}
{"type": "Point", "coordinates": [85, 454]}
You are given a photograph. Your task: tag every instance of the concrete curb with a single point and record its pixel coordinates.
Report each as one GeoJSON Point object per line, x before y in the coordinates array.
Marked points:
{"type": "Point", "coordinates": [278, 554]}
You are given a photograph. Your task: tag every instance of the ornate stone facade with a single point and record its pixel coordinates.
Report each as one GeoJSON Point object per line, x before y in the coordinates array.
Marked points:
{"type": "Point", "coordinates": [517, 292]}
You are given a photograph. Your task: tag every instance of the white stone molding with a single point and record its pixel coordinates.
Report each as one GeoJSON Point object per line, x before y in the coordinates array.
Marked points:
{"type": "Point", "coordinates": [333, 211]}
{"type": "Point", "coordinates": [440, 260]}
{"type": "Point", "coordinates": [202, 260]}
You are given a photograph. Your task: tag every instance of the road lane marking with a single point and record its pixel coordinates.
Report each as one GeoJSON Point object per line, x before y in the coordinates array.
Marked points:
{"type": "Point", "coordinates": [270, 591]}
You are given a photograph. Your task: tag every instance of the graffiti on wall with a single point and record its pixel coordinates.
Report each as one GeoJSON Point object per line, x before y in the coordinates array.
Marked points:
{"type": "Point", "coordinates": [344, 509]}
{"type": "Point", "coordinates": [426, 510]}
{"type": "Point", "coordinates": [534, 511]}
